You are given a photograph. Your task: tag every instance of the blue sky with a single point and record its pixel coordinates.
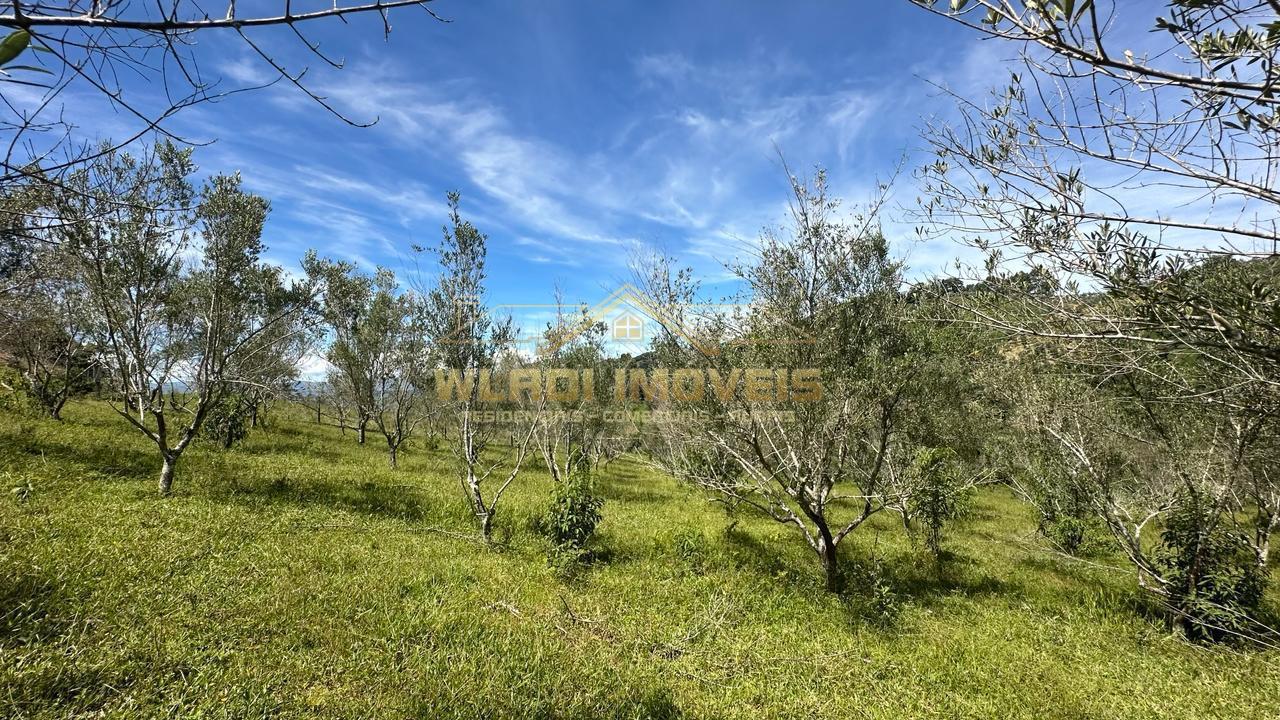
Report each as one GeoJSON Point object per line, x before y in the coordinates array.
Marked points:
{"type": "Point", "coordinates": [577, 130]}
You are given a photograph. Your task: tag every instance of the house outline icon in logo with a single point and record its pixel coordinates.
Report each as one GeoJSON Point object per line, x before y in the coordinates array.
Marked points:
{"type": "Point", "coordinates": [642, 312]}
{"type": "Point", "coordinates": [628, 328]}
{"type": "Point", "coordinates": [624, 304]}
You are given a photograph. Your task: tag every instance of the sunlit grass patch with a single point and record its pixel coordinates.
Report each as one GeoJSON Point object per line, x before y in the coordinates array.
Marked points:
{"type": "Point", "coordinates": [299, 576]}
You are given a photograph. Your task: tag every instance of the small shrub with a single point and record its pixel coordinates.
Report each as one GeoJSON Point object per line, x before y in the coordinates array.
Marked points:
{"type": "Point", "coordinates": [1214, 583]}
{"type": "Point", "coordinates": [869, 590]}
{"type": "Point", "coordinates": [1067, 518]}
{"type": "Point", "coordinates": [1074, 535]}
{"type": "Point", "coordinates": [14, 396]}
{"type": "Point", "coordinates": [226, 423]}
{"type": "Point", "coordinates": [571, 520]}
{"type": "Point", "coordinates": [941, 496]}
{"type": "Point", "coordinates": [691, 548]}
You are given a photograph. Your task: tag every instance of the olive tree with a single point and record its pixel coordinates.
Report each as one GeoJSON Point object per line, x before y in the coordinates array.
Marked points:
{"type": "Point", "coordinates": [806, 403]}
{"type": "Point", "coordinates": [1164, 283]}
{"type": "Point", "coordinates": [398, 358]}
{"type": "Point", "coordinates": [467, 340]}
{"type": "Point", "coordinates": [1188, 118]}
{"type": "Point", "coordinates": [44, 329]}
{"type": "Point", "coordinates": [172, 335]}
{"type": "Point", "coordinates": [572, 434]}
{"type": "Point", "coordinates": [1184, 491]}
{"type": "Point", "coordinates": [344, 301]}
{"type": "Point", "coordinates": [268, 367]}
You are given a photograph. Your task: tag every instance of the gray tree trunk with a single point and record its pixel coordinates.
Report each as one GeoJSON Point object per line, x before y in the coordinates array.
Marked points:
{"type": "Point", "coordinates": [830, 561]}
{"type": "Point", "coordinates": [166, 473]}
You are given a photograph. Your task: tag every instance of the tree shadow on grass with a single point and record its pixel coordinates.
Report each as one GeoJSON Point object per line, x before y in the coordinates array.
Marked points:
{"type": "Point", "coordinates": [394, 502]}
{"type": "Point", "coordinates": [78, 691]}
{"type": "Point", "coordinates": [1116, 594]}
{"type": "Point", "coordinates": [39, 609]}
{"type": "Point", "coordinates": [98, 460]}
{"type": "Point", "coordinates": [611, 489]}
{"type": "Point", "coordinates": [877, 588]}
{"type": "Point", "coordinates": [1081, 576]}
{"type": "Point", "coordinates": [32, 609]}
{"type": "Point", "coordinates": [314, 451]}
{"type": "Point", "coordinates": [791, 564]}
{"type": "Point", "coordinates": [79, 688]}
{"type": "Point", "coordinates": [927, 581]}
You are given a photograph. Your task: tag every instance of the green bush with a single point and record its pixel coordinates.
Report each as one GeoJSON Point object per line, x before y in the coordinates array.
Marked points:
{"type": "Point", "coordinates": [1075, 535]}
{"type": "Point", "coordinates": [1214, 582]}
{"type": "Point", "coordinates": [226, 423]}
{"type": "Point", "coordinates": [941, 496]}
{"type": "Point", "coordinates": [571, 520]}
{"type": "Point", "coordinates": [14, 397]}
{"type": "Point", "coordinates": [691, 548]}
{"type": "Point", "coordinates": [870, 592]}
{"type": "Point", "coordinates": [1067, 518]}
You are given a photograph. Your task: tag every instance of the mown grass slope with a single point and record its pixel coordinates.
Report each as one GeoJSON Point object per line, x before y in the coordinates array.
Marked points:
{"type": "Point", "coordinates": [297, 576]}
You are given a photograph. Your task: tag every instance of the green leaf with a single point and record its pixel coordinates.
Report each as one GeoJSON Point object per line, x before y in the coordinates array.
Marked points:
{"type": "Point", "coordinates": [13, 45]}
{"type": "Point", "coordinates": [29, 68]}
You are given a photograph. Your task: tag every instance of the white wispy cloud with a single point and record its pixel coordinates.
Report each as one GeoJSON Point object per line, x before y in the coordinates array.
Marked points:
{"type": "Point", "coordinates": [695, 167]}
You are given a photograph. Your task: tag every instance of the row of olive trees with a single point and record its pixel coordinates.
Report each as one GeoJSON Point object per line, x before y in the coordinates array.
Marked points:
{"type": "Point", "coordinates": [378, 353]}
{"type": "Point", "coordinates": [1154, 440]}
{"type": "Point", "coordinates": [157, 291]}
{"type": "Point", "coordinates": [1141, 372]}
{"type": "Point", "coordinates": [1130, 358]}
{"type": "Point", "coordinates": [129, 275]}
{"type": "Point", "coordinates": [128, 271]}
{"type": "Point", "coordinates": [389, 345]}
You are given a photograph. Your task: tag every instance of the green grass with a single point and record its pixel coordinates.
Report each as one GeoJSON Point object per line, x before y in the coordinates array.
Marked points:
{"type": "Point", "coordinates": [299, 576]}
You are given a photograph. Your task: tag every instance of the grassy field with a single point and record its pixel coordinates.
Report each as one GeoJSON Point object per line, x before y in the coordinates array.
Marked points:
{"type": "Point", "coordinates": [298, 576]}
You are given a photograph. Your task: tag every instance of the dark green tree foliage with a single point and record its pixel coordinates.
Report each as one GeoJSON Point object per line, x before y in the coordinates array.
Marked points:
{"type": "Point", "coordinates": [379, 347]}
{"type": "Point", "coordinates": [19, 234]}
{"type": "Point", "coordinates": [573, 515]}
{"type": "Point", "coordinates": [1066, 515]}
{"type": "Point", "coordinates": [44, 329]}
{"type": "Point", "coordinates": [227, 422]}
{"type": "Point", "coordinates": [466, 334]}
{"type": "Point", "coordinates": [344, 305]}
{"type": "Point", "coordinates": [942, 494]}
{"type": "Point", "coordinates": [1214, 585]}
{"type": "Point", "coordinates": [1161, 328]}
